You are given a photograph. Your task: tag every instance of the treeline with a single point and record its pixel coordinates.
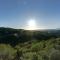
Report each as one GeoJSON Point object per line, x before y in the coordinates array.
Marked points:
{"type": "Point", "coordinates": [14, 36]}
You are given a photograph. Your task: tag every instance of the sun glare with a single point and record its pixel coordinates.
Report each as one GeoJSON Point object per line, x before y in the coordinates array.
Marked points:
{"type": "Point", "coordinates": [31, 24]}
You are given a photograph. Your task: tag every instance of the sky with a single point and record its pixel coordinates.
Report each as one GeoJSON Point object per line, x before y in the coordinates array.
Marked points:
{"type": "Point", "coordinates": [16, 13]}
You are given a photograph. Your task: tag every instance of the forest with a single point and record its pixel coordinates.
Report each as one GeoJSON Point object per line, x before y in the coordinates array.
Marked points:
{"type": "Point", "coordinates": [20, 44]}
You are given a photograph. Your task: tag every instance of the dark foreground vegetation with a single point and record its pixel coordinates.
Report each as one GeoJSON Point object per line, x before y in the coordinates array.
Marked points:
{"type": "Point", "coordinates": [19, 44]}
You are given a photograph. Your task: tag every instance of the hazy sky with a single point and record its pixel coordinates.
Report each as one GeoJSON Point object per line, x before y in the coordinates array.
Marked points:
{"type": "Point", "coordinates": [16, 13]}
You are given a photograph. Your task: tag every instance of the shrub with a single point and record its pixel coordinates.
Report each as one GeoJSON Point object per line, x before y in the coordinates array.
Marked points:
{"type": "Point", "coordinates": [55, 55]}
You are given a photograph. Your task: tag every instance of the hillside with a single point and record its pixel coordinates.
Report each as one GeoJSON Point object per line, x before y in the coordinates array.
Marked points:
{"type": "Point", "coordinates": [15, 36]}
{"type": "Point", "coordinates": [19, 44]}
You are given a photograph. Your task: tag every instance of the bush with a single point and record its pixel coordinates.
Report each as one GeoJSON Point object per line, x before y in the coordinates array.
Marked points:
{"type": "Point", "coordinates": [55, 55]}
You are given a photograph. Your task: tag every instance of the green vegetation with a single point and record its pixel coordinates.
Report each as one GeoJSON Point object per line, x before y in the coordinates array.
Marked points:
{"type": "Point", "coordinates": [35, 50]}
{"type": "Point", "coordinates": [16, 44]}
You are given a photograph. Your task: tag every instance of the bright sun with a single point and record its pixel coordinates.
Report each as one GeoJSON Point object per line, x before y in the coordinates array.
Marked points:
{"type": "Point", "coordinates": [31, 24]}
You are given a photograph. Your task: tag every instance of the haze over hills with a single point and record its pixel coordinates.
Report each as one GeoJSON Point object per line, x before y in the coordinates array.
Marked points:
{"type": "Point", "coordinates": [14, 36]}
{"type": "Point", "coordinates": [34, 44]}
{"type": "Point", "coordinates": [29, 30]}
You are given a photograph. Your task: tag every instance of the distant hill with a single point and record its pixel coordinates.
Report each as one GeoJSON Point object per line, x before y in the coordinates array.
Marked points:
{"type": "Point", "coordinates": [14, 36]}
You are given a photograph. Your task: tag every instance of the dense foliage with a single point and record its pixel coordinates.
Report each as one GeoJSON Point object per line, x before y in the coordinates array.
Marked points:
{"type": "Point", "coordinates": [15, 36]}
{"type": "Point", "coordinates": [19, 44]}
